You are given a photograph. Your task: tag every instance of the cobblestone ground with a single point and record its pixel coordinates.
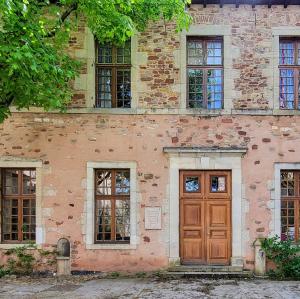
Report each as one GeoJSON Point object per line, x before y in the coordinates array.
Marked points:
{"type": "Point", "coordinates": [146, 288]}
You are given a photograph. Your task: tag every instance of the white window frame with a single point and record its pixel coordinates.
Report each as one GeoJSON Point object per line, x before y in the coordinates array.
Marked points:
{"type": "Point", "coordinates": [90, 205]}
{"type": "Point", "coordinates": [10, 162]}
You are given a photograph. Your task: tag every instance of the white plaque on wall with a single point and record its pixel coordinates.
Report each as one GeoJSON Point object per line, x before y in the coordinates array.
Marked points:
{"type": "Point", "coordinates": [152, 217]}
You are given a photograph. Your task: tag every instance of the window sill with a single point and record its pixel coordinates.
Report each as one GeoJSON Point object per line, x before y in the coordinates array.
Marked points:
{"type": "Point", "coordinates": [162, 111]}
{"type": "Point", "coordinates": [111, 246]}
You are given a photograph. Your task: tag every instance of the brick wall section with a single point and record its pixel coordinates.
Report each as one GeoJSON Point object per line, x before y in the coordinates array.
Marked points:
{"type": "Point", "coordinates": [77, 43]}
{"type": "Point", "coordinates": [160, 73]}
{"type": "Point", "coordinates": [159, 77]}
{"type": "Point", "coordinates": [251, 45]}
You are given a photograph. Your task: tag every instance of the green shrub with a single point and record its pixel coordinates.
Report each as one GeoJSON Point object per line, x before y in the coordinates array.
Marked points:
{"type": "Point", "coordinates": [24, 260]}
{"type": "Point", "coordinates": [3, 271]}
{"type": "Point", "coordinates": [21, 260]}
{"type": "Point", "coordinates": [285, 255]}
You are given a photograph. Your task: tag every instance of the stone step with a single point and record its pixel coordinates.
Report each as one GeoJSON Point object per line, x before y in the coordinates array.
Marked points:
{"type": "Point", "coordinates": [205, 268]}
{"type": "Point", "coordinates": [215, 275]}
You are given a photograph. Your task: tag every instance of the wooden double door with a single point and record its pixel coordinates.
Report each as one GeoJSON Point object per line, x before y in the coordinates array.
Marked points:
{"type": "Point", "coordinates": [205, 217]}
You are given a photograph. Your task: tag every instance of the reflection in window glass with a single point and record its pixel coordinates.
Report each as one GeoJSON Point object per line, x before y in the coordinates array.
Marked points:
{"type": "Point", "coordinates": [103, 182]}
{"type": "Point", "coordinates": [286, 89]}
{"type": "Point", "coordinates": [104, 76]}
{"type": "Point", "coordinates": [123, 88]}
{"type": "Point", "coordinates": [192, 184]}
{"type": "Point", "coordinates": [286, 53]}
{"type": "Point", "coordinates": [122, 220]}
{"type": "Point", "coordinates": [11, 181]}
{"type": "Point", "coordinates": [195, 88]}
{"type": "Point", "coordinates": [112, 219]}
{"type": "Point", "coordinates": [218, 184]}
{"type": "Point", "coordinates": [122, 182]}
{"type": "Point", "coordinates": [113, 76]}
{"type": "Point", "coordinates": [103, 220]}
{"type": "Point", "coordinates": [287, 183]}
{"type": "Point", "coordinates": [205, 73]}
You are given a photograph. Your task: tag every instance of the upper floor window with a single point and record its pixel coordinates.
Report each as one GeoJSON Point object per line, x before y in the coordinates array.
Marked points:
{"type": "Point", "coordinates": [289, 70]}
{"type": "Point", "coordinates": [205, 72]}
{"type": "Point", "coordinates": [113, 65]}
{"type": "Point", "coordinates": [18, 205]}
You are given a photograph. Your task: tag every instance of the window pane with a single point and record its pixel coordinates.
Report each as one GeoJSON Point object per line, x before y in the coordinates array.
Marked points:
{"type": "Point", "coordinates": [10, 220]}
{"type": "Point", "coordinates": [192, 184]}
{"type": "Point", "coordinates": [103, 220]}
{"type": "Point", "coordinates": [122, 182]}
{"type": "Point", "coordinates": [103, 182]}
{"type": "Point", "coordinates": [124, 54]}
{"type": "Point", "coordinates": [29, 181]}
{"type": "Point", "coordinates": [214, 53]}
{"type": "Point", "coordinates": [104, 77]}
{"type": "Point", "coordinates": [123, 88]}
{"type": "Point", "coordinates": [28, 226]}
{"type": "Point", "coordinates": [195, 88]}
{"type": "Point", "coordinates": [195, 52]}
{"type": "Point", "coordinates": [286, 53]}
{"type": "Point", "coordinates": [214, 89]}
{"type": "Point", "coordinates": [104, 54]}
{"type": "Point", "coordinates": [286, 88]}
{"type": "Point", "coordinates": [11, 181]}
{"type": "Point", "coordinates": [287, 183]}
{"type": "Point", "coordinates": [288, 220]}
{"type": "Point", "coordinates": [122, 220]}
{"type": "Point", "coordinates": [218, 184]}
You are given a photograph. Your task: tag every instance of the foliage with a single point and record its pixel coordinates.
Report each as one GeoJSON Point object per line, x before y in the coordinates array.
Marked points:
{"type": "Point", "coordinates": [114, 274]}
{"type": "Point", "coordinates": [35, 70]}
{"type": "Point", "coordinates": [3, 271]}
{"type": "Point", "coordinates": [285, 255]}
{"type": "Point", "coordinates": [25, 259]}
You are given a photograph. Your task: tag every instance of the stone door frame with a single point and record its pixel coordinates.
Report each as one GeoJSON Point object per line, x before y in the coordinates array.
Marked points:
{"type": "Point", "coordinates": [207, 159]}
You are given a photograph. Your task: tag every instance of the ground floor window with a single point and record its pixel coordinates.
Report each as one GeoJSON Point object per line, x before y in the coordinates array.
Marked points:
{"type": "Point", "coordinates": [290, 205]}
{"type": "Point", "coordinates": [112, 205]}
{"type": "Point", "coordinates": [18, 205]}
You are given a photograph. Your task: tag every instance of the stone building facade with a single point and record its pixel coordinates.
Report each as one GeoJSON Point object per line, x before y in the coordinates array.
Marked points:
{"type": "Point", "coordinates": [177, 158]}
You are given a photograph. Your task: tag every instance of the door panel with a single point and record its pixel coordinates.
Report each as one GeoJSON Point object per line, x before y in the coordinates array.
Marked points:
{"type": "Point", "coordinates": [218, 231]}
{"type": "Point", "coordinates": [191, 231]}
{"type": "Point", "coordinates": [205, 217]}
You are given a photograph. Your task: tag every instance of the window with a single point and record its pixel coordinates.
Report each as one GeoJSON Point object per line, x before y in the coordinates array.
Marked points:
{"type": "Point", "coordinates": [289, 69]}
{"type": "Point", "coordinates": [290, 205]}
{"type": "Point", "coordinates": [205, 72]}
{"type": "Point", "coordinates": [18, 205]}
{"type": "Point", "coordinates": [113, 76]}
{"type": "Point", "coordinates": [112, 205]}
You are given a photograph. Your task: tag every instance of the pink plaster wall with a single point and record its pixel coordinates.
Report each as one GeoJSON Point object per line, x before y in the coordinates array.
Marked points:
{"type": "Point", "coordinates": [66, 142]}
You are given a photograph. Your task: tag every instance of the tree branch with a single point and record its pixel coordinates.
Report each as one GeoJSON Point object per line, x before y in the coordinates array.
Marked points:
{"type": "Point", "coordinates": [64, 16]}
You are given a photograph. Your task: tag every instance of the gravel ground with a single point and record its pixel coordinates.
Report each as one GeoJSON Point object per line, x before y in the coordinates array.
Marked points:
{"type": "Point", "coordinates": [150, 288]}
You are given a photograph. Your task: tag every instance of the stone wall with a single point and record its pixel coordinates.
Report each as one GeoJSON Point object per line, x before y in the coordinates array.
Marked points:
{"type": "Point", "coordinates": [158, 62]}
